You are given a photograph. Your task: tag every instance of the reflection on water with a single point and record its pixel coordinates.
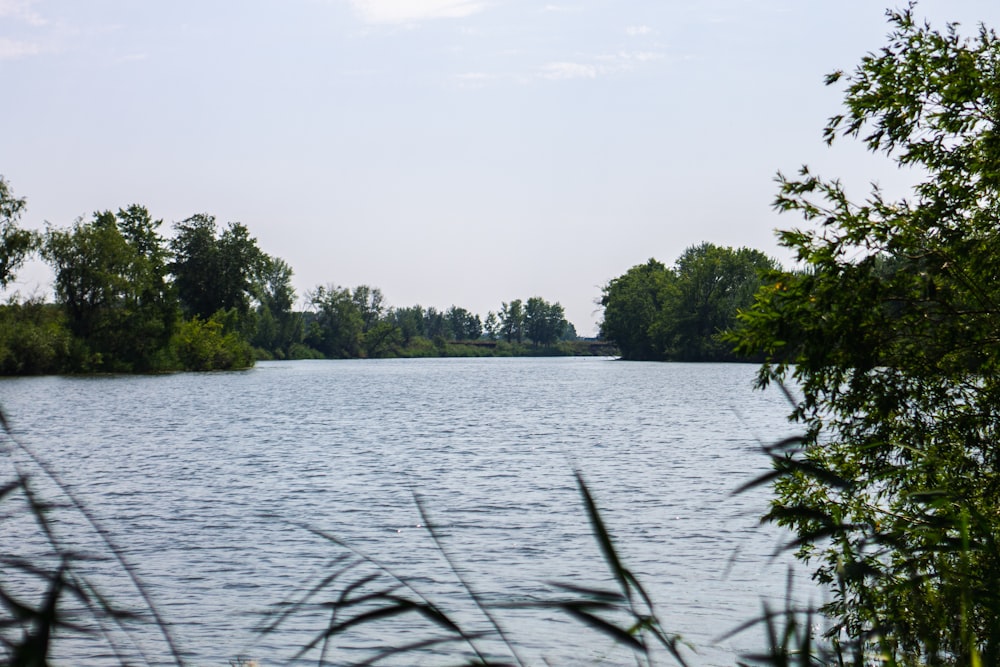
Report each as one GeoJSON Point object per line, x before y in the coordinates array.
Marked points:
{"type": "Point", "coordinates": [206, 480]}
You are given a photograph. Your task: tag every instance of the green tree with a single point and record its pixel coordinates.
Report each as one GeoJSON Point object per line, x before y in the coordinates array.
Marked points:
{"type": "Point", "coordinates": [338, 323]}
{"type": "Point", "coordinates": [656, 313]}
{"type": "Point", "coordinates": [544, 322]}
{"type": "Point", "coordinates": [633, 307]}
{"type": "Point", "coordinates": [202, 345]}
{"type": "Point", "coordinates": [214, 271]}
{"type": "Point", "coordinates": [34, 338]}
{"type": "Point", "coordinates": [278, 327]}
{"type": "Point", "coordinates": [410, 322]}
{"type": "Point", "coordinates": [16, 244]}
{"type": "Point", "coordinates": [371, 305]}
{"type": "Point", "coordinates": [713, 285]}
{"type": "Point", "coordinates": [111, 278]}
{"type": "Point", "coordinates": [889, 339]}
{"type": "Point", "coordinates": [435, 324]}
{"type": "Point", "coordinates": [491, 326]}
{"type": "Point", "coordinates": [512, 321]}
{"type": "Point", "coordinates": [382, 340]}
{"type": "Point", "coordinates": [569, 333]}
{"type": "Point", "coordinates": [462, 324]}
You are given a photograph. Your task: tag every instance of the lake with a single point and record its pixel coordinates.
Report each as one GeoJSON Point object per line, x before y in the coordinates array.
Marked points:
{"type": "Point", "coordinates": [208, 483]}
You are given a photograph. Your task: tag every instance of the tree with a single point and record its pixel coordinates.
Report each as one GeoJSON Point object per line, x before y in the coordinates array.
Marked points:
{"type": "Point", "coordinates": [111, 278]}
{"type": "Point", "coordinates": [633, 305]}
{"type": "Point", "coordinates": [410, 322]}
{"type": "Point", "coordinates": [371, 305]}
{"type": "Point", "coordinates": [569, 333]}
{"type": "Point", "coordinates": [512, 321]}
{"type": "Point", "coordinates": [278, 326]}
{"type": "Point", "coordinates": [382, 340]}
{"type": "Point", "coordinates": [713, 284]}
{"type": "Point", "coordinates": [463, 325]}
{"type": "Point", "coordinates": [338, 324]}
{"type": "Point", "coordinates": [214, 271]}
{"type": "Point", "coordinates": [889, 338]}
{"type": "Point", "coordinates": [654, 313]}
{"type": "Point", "coordinates": [435, 324]}
{"type": "Point", "coordinates": [544, 322]}
{"type": "Point", "coordinates": [16, 244]}
{"type": "Point", "coordinates": [491, 326]}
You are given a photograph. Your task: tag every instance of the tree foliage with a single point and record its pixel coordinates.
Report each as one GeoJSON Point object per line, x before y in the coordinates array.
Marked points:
{"type": "Point", "coordinates": [215, 271]}
{"type": "Point", "coordinates": [890, 338]}
{"type": "Point", "coordinates": [544, 322]}
{"type": "Point", "coordinates": [111, 278]}
{"type": "Point", "coordinates": [16, 244]}
{"type": "Point", "coordinates": [656, 313]}
{"type": "Point", "coordinates": [463, 324]}
{"type": "Point", "coordinates": [206, 345]}
{"type": "Point", "coordinates": [633, 304]}
{"type": "Point", "coordinates": [337, 322]}
{"type": "Point", "coordinates": [278, 328]}
{"type": "Point", "coordinates": [512, 321]}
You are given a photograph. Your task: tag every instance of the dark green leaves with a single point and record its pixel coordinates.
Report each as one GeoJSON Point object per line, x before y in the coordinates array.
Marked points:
{"type": "Point", "coordinates": [655, 313]}
{"type": "Point", "coordinates": [888, 333]}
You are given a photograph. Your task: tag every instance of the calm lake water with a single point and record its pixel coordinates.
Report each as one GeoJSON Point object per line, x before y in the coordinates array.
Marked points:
{"type": "Point", "coordinates": [206, 482]}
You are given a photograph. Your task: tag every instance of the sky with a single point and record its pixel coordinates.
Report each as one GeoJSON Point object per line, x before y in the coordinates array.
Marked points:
{"type": "Point", "coordinates": [465, 152]}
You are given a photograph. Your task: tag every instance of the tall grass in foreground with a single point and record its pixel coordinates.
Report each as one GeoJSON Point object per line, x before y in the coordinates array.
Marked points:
{"type": "Point", "coordinates": [359, 592]}
{"type": "Point", "coordinates": [45, 591]}
{"type": "Point", "coordinates": [358, 606]}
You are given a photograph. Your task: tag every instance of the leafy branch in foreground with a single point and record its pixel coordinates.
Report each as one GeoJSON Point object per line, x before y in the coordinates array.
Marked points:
{"type": "Point", "coordinates": [889, 332]}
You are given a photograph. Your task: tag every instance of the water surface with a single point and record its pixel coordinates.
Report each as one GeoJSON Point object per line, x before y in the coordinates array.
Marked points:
{"type": "Point", "coordinates": [206, 481]}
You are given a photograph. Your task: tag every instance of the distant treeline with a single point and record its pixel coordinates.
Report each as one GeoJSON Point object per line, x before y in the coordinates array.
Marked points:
{"type": "Point", "coordinates": [127, 299]}
{"type": "Point", "coordinates": [682, 313]}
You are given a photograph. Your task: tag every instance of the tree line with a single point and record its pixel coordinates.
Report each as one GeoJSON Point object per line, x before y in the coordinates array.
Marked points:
{"type": "Point", "coordinates": [129, 299]}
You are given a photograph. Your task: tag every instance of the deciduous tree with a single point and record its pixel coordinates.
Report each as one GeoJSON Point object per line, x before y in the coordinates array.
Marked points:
{"type": "Point", "coordinates": [512, 321]}
{"type": "Point", "coordinates": [463, 324]}
{"type": "Point", "coordinates": [16, 244]}
{"type": "Point", "coordinates": [111, 278]}
{"type": "Point", "coordinates": [278, 326]}
{"type": "Point", "coordinates": [338, 324]}
{"type": "Point", "coordinates": [633, 307]}
{"type": "Point", "coordinates": [713, 285]}
{"type": "Point", "coordinates": [889, 338]}
{"type": "Point", "coordinates": [214, 271]}
{"type": "Point", "coordinates": [544, 322]}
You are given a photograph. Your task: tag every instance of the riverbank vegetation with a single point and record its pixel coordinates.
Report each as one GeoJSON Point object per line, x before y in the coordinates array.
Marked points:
{"type": "Point", "coordinates": [128, 299]}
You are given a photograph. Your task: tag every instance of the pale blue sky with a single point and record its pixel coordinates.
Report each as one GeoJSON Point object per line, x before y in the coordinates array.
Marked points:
{"type": "Point", "coordinates": [446, 151]}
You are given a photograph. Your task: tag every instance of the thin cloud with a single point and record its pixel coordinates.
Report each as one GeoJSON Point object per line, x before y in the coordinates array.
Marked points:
{"type": "Point", "coordinates": [638, 30]}
{"type": "Point", "coordinates": [581, 68]}
{"type": "Point", "coordinates": [407, 11]}
{"type": "Point", "coordinates": [630, 59]}
{"type": "Point", "coordinates": [21, 10]}
{"type": "Point", "coordinates": [473, 80]}
{"type": "Point", "coordinates": [560, 71]}
{"type": "Point", "coordinates": [603, 65]}
{"type": "Point", "coordinates": [12, 50]}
